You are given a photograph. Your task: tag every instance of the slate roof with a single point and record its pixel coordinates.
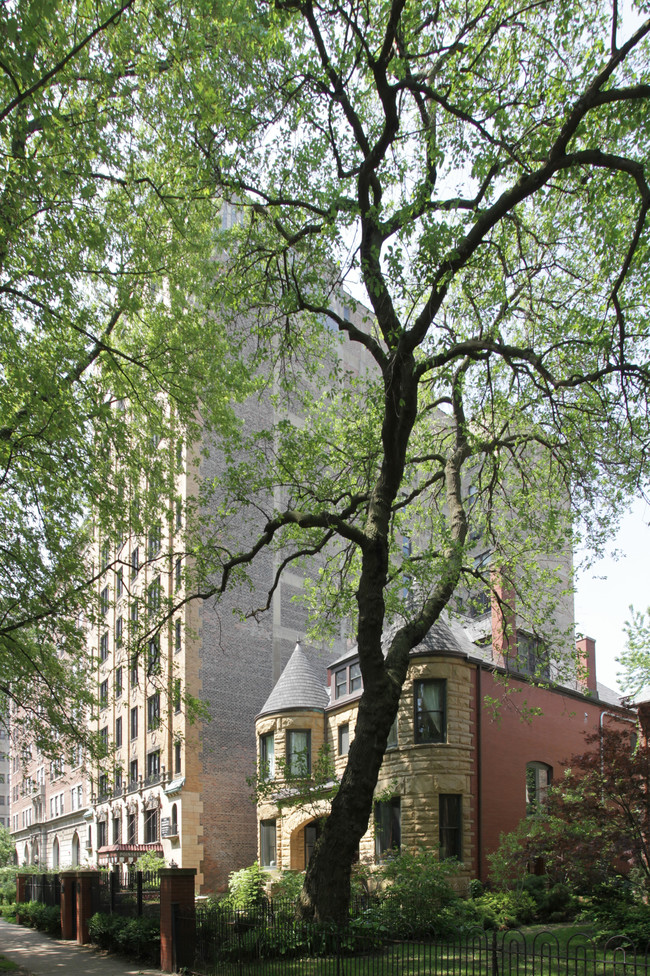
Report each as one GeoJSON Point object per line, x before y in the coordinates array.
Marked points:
{"type": "Point", "coordinates": [298, 687]}
{"type": "Point", "coordinates": [439, 639]}
{"type": "Point", "coordinates": [608, 695]}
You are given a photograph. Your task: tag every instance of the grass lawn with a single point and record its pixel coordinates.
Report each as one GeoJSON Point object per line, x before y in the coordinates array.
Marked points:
{"type": "Point", "coordinates": [6, 966]}
{"type": "Point", "coordinates": [537, 950]}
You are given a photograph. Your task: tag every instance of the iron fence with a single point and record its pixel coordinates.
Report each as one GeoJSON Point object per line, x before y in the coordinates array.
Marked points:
{"type": "Point", "coordinates": [269, 943]}
{"type": "Point", "coordinates": [132, 894]}
{"type": "Point", "coordinates": [45, 888]}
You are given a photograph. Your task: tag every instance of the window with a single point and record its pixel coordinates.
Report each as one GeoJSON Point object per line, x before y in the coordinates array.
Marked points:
{"type": "Point", "coordinates": [179, 513]}
{"type": "Point", "coordinates": [532, 656]}
{"type": "Point", "coordinates": [134, 613]}
{"type": "Point", "coordinates": [103, 740]}
{"type": "Point", "coordinates": [133, 773]}
{"type": "Point", "coordinates": [538, 780]}
{"type": "Point", "coordinates": [154, 592]}
{"type": "Point", "coordinates": [118, 732]}
{"type": "Point", "coordinates": [177, 635]}
{"type": "Point", "coordinates": [154, 540]}
{"type": "Point", "coordinates": [134, 723]}
{"type": "Point", "coordinates": [177, 695]}
{"type": "Point", "coordinates": [134, 669]}
{"type": "Point", "coordinates": [153, 712]}
{"type": "Point", "coordinates": [347, 680]}
{"type": "Point", "coordinates": [117, 781]}
{"type": "Point", "coordinates": [450, 807]}
{"type": "Point", "coordinates": [119, 583]}
{"type": "Point", "coordinates": [153, 766]}
{"type": "Point", "coordinates": [388, 826]}
{"type": "Point", "coordinates": [117, 830]}
{"type": "Point", "coordinates": [177, 757]}
{"type": "Point", "coordinates": [135, 562]}
{"type": "Point", "coordinates": [150, 826]}
{"type": "Point", "coordinates": [153, 655]}
{"type": "Point", "coordinates": [119, 631]}
{"type": "Point", "coordinates": [344, 739]}
{"type": "Point", "coordinates": [103, 694]}
{"type": "Point", "coordinates": [178, 573]}
{"type": "Point", "coordinates": [179, 452]}
{"type": "Point", "coordinates": [102, 785]}
{"type": "Point", "coordinates": [267, 843]}
{"type": "Point", "coordinates": [102, 833]}
{"type": "Point", "coordinates": [267, 756]}
{"type": "Point", "coordinates": [103, 646]}
{"type": "Point", "coordinates": [174, 820]}
{"type": "Point", "coordinates": [103, 601]}
{"type": "Point", "coordinates": [298, 752]}
{"type": "Point", "coordinates": [430, 724]}
{"type": "Point", "coordinates": [118, 682]}
{"type": "Point", "coordinates": [131, 828]}
{"type": "Point", "coordinates": [105, 554]}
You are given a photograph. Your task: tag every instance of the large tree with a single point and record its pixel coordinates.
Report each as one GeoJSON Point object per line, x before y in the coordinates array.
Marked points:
{"type": "Point", "coordinates": [101, 353]}
{"type": "Point", "coordinates": [477, 173]}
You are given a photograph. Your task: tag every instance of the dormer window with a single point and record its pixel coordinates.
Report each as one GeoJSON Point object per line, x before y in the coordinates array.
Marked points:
{"type": "Point", "coordinates": [347, 680]}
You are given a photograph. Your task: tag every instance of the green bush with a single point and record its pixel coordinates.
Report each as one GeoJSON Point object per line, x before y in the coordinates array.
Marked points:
{"type": "Point", "coordinates": [417, 897]}
{"type": "Point", "coordinates": [46, 918]}
{"type": "Point", "coordinates": [288, 886]}
{"type": "Point", "coordinates": [247, 888]}
{"type": "Point", "coordinates": [8, 912]}
{"type": "Point", "coordinates": [502, 909]}
{"type": "Point", "coordinates": [135, 937]}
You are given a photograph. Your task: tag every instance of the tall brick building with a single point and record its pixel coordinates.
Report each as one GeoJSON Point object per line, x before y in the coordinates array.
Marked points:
{"type": "Point", "coordinates": [167, 783]}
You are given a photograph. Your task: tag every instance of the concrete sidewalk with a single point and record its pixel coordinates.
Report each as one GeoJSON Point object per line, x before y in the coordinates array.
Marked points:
{"type": "Point", "coordinates": [42, 955]}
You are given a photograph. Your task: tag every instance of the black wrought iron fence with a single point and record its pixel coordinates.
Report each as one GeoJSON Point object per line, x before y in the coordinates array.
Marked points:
{"type": "Point", "coordinates": [45, 888]}
{"type": "Point", "coordinates": [270, 943]}
{"type": "Point", "coordinates": [132, 894]}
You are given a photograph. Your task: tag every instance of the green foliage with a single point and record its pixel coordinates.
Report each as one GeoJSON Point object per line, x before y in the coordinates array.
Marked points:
{"type": "Point", "coordinates": [635, 659]}
{"type": "Point", "coordinates": [417, 896]}
{"type": "Point", "coordinates": [502, 909]}
{"type": "Point", "coordinates": [288, 886]}
{"type": "Point", "coordinates": [138, 938]}
{"type": "Point", "coordinates": [151, 862]}
{"type": "Point", "coordinates": [246, 888]}
{"type": "Point", "coordinates": [46, 918]}
{"type": "Point", "coordinates": [9, 911]}
{"type": "Point", "coordinates": [7, 848]}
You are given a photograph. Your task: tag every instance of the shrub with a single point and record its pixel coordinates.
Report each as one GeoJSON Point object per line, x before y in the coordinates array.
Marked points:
{"type": "Point", "coordinates": [46, 918]}
{"type": "Point", "coordinates": [502, 909]}
{"type": "Point", "coordinates": [417, 897]}
{"type": "Point", "coordinates": [136, 937]}
{"type": "Point", "coordinates": [288, 886]}
{"type": "Point", "coordinates": [247, 888]}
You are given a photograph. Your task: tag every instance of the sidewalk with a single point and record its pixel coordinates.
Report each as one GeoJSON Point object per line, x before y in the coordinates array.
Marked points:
{"type": "Point", "coordinates": [42, 955]}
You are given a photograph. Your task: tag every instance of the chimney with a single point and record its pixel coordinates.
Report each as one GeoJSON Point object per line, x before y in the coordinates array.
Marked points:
{"type": "Point", "coordinates": [504, 627]}
{"type": "Point", "coordinates": [586, 647]}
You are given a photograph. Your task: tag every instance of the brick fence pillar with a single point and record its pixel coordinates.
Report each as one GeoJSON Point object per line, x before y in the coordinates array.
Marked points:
{"type": "Point", "coordinates": [87, 885]}
{"type": "Point", "coordinates": [177, 918]}
{"type": "Point", "coordinates": [68, 904]}
{"type": "Point", "coordinates": [21, 882]}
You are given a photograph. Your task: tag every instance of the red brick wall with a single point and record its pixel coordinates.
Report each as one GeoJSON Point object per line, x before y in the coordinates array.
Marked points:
{"type": "Point", "coordinates": [507, 742]}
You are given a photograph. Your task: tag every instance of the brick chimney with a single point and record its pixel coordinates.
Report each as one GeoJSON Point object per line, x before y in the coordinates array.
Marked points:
{"type": "Point", "coordinates": [586, 648]}
{"type": "Point", "coordinates": [504, 627]}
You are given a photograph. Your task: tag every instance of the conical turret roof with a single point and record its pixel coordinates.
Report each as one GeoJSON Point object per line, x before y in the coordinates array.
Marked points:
{"type": "Point", "coordinates": [298, 687]}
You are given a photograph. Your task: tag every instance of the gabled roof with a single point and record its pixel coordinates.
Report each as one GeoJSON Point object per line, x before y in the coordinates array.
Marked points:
{"type": "Point", "coordinates": [439, 639]}
{"type": "Point", "coordinates": [298, 687]}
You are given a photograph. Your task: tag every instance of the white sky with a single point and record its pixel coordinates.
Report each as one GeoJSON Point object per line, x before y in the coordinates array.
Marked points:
{"type": "Point", "coordinates": [605, 592]}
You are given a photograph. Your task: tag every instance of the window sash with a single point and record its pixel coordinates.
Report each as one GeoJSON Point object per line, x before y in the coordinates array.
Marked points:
{"type": "Point", "coordinates": [430, 710]}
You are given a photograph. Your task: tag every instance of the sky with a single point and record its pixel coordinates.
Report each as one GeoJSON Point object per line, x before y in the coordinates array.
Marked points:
{"type": "Point", "coordinates": [605, 592]}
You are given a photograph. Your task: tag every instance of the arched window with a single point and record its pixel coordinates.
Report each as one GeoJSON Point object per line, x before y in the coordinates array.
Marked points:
{"type": "Point", "coordinates": [174, 823]}
{"type": "Point", "coordinates": [75, 850]}
{"type": "Point", "coordinates": [26, 855]}
{"type": "Point", "coordinates": [538, 780]}
{"type": "Point", "coordinates": [55, 853]}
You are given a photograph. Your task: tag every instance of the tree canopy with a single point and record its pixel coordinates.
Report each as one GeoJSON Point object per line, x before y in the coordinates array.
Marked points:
{"type": "Point", "coordinates": [476, 175]}
{"type": "Point", "coordinates": [102, 354]}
